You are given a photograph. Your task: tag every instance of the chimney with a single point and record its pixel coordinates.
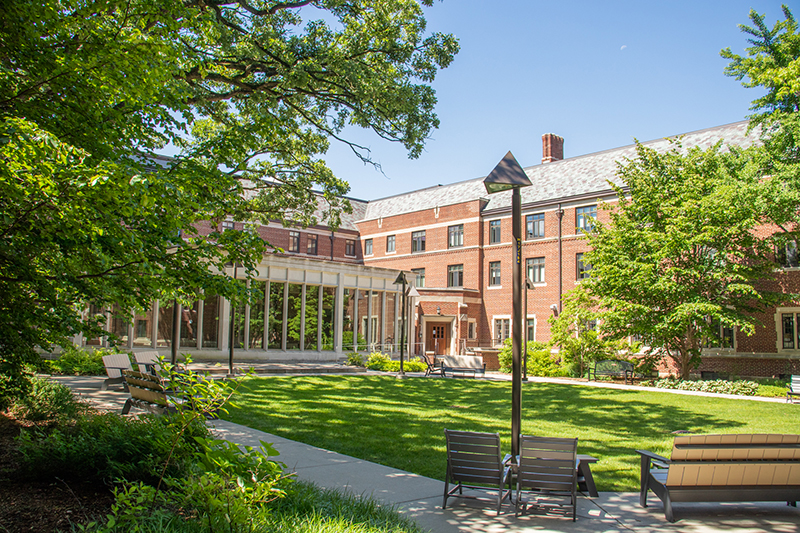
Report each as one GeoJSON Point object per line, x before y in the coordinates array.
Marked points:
{"type": "Point", "coordinates": [552, 148]}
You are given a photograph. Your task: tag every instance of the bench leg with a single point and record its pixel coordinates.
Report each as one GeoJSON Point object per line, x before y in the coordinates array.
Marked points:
{"type": "Point", "coordinates": [127, 407]}
{"type": "Point", "coordinates": [668, 508]}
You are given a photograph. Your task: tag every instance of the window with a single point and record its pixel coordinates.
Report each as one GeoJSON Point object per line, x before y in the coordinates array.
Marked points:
{"type": "Point", "coordinates": [534, 226]}
{"type": "Point", "coordinates": [722, 336]}
{"type": "Point", "coordinates": [530, 330]}
{"type": "Point", "coordinates": [588, 325]}
{"type": "Point", "coordinates": [786, 255]}
{"type": "Point", "coordinates": [535, 269]}
{"type": "Point", "coordinates": [494, 232]}
{"type": "Point", "coordinates": [418, 241]}
{"type": "Point", "coordinates": [368, 247]}
{"type": "Point", "coordinates": [350, 247]}
{"type": "Point", "coordinates": [226, 224]}
{"type": "Point", "coordinates": [581, 267]}
{"type": "Point", "coordinates": [585, 218]}
{"type": "Point", "coordinates": [502, 327]}
{"type": "Point", "coordinates": [420, 273]}
{"type": "Point", "coordinates": [788, 322]}
{"type": "Point", "coordinates": [455, 236]}
{"type": "Point", "coordinates": [311, 246]}
{"type": "Point", "coordinates": [494, 273]}
{"type": "Point", "coordinates": [455, 276]}
{"type": "Point", "coordinates": [294, 241]}
{"type": "Point", "coordinates": [390, 244]}
{"type": "Point", "coordinates": [472, 330]}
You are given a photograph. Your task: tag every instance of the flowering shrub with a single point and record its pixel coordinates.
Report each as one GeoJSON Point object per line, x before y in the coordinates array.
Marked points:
{"type": "Point", "coordinates": [741, 388]}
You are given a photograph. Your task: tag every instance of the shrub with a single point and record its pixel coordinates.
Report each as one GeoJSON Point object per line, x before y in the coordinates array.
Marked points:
{"type": "Point", "coordinates": [382, 363]}
{"type": "Point", "coordinates": [355, 359]}
{"type": "Point", "coordinates": [47, 400]}
{"type": "Point", "coordinates": [541, 362]}
{"type": "Point", "coordinates": [108, 446]}
{"type": "Point", "coordinates": [76, 362]}
{"type": "Point", "coordinates": [741, 388]}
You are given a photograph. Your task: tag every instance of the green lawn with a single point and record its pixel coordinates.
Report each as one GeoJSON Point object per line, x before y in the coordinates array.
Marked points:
{"type": "Point", "coordinates": [400, 423]}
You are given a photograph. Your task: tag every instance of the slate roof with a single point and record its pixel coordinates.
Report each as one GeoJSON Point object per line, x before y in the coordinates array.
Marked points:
{"type": "Point", "coordinates": [559, 180]}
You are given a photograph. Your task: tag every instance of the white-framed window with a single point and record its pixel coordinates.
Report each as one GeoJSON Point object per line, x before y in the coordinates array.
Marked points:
{"type": "Point", "coordinates": [530, 329]}
{"type": "Point", "coordinates": [501, 330]}
{"type": "Point", "coordinates": [226, 224]}
{"type": "Point", "coordinates": [294, 241]}
{"type": "Point", "coordinates": [585, 218]}
{"type": "Point", "coordinates": [534, 226]}
{"type": "Point", "coordinates": [455, 275]}
{"type": "Point", "coordinates": [418, 241]}
{"type": "Point", "coordinates": [786, 254]}
{"type": "Point", "coordinates": [535, 269]}
{"type": "Point", "coordinates": [724, 336]}
{"type": "Point", "coordinates": [420, 274]}
{"type": "Point", "coordinates": [455, 236]}
{"type": "Point", "coordinates": [494, 273]}
{"type": "Point", "coordinates": [786, 325]}
{"type": "Point", "coordinates": [495, 234]}
{"type": "Point", "coordinates": [472, 329]}
{"type": "Point", "coordinates": [368, 247]}
{"type": "Point", "coordinates": [582, 268]}
{"type": "Point", "coordinates": [390, 239]}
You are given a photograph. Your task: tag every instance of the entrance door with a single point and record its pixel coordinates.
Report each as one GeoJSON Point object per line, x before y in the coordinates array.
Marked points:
{"type": "Point", "coordinates": [438, 338]}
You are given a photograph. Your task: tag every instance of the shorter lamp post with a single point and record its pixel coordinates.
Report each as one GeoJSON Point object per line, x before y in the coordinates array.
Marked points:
{"type": "Point", "coordinates": [402, 280]}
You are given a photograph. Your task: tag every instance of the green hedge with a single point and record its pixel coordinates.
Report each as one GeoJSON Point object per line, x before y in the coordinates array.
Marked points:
{"type": "Point", "coordinates": [741, 387]}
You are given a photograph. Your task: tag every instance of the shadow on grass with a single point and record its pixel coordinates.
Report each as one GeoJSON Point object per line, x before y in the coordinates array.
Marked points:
{"type": "Point", "coordinates": [401, 423]}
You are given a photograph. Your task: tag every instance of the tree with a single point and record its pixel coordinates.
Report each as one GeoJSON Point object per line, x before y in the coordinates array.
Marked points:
{"type": "Point", "coordinates": [246, 92]}
{"type": "Point", "coordinates": [680, 255]}
{"type": "Point", "coordinates": [773, 63]}
{"type": "Point", "coordinates": [578, 332]}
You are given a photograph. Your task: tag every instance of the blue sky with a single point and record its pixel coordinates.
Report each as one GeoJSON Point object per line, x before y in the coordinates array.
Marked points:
{"type": "Point", "coordinates": [598, 73]}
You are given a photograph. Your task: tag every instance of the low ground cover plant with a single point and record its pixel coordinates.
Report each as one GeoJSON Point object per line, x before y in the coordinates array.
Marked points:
{"type": "Point", "coordinates": [74, 361]}
{"type": "Point", "coordinates": [722, 386]}
{"type": "Point", "coordinates": [406, 419]}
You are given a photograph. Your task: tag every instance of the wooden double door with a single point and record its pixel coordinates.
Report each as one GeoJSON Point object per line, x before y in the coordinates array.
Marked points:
{"type": "Point", "coordinates": [437, 338]}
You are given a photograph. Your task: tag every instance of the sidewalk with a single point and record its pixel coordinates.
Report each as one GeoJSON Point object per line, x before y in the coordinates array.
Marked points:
{"type": "Point", "coordinates": [420, 498]}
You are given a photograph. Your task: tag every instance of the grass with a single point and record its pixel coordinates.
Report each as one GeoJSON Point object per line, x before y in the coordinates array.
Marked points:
{"type": "Point", "coordinates": [400, 423]}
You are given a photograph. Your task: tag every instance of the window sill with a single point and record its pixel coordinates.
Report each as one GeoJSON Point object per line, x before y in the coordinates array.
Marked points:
{"type": "Point", "coordinates": [493, 287]}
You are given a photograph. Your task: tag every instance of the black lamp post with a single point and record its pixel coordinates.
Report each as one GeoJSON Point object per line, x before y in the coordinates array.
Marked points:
{"type": "Point", "coordinates": [528, 287]}
{"type": "Point", "coordinates": [402, 280]}
{"type": "Point", "coordinates": [508, 174]}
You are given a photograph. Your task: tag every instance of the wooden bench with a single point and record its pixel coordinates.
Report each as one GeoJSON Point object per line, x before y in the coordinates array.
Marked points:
{"type": "Point", "coordinates": [614, 368]}
{"type": "Point", "coordinates": [794, 389]}
{"type": "Point", "coordinates": [147, 393]}
{"type": "Point", "coordinates": [462, 365]}
{"type": "Point", "coordinates": [723, 468]}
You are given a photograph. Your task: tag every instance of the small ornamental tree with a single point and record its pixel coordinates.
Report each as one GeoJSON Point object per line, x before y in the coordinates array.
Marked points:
{"type": "Point", "coordinates": [680, 255]}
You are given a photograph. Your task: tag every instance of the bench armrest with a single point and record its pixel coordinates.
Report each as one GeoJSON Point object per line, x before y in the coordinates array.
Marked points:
{"type": "Point", "coordinates": [658, 461]}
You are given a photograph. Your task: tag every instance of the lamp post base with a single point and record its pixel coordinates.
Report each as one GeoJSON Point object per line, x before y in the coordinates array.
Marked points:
{"type": "Point", "coordinates": [401, 375]}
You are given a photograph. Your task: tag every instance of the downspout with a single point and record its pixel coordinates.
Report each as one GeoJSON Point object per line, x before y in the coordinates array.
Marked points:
{"type": "Point", "coordinates": [560, 215]}
{"type": "Point", "coordinates": [332, 238]}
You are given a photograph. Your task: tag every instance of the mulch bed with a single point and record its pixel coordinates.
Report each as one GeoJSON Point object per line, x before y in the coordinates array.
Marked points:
{"type": "Point", "coordinates": [43, 507]}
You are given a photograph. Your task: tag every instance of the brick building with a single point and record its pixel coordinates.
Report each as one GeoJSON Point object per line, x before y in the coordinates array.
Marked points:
{"type": "Point", "coordinates": [328, 293]}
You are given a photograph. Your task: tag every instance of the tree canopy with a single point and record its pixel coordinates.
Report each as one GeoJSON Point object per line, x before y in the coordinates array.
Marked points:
{"type": "Point", "coordinates": [249, 93]}
{"type": "Point", "coordinates": [680, 255]}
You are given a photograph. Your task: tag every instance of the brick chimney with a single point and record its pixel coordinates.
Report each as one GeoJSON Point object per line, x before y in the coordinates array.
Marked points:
{"type": "Point", "coordinates": [552, 148]}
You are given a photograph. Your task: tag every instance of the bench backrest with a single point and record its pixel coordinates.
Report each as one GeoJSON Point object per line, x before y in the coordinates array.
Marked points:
{"type": "Point", "coordinates": [794, 386]}
{"type": "Point", "coordinates": [735, 460]}
{"type": "Point", "coordinates": [613, 365]}
{"type": "Point", "coordinates": [547, 463]}
{"type": "Point", "coordinates": [145, 387]}
{"type": "Point", "coordinates": [146, 356]}
{"type": "Point", "coordinates": [115, 363]}
{"type": "Point", "coordinates": [461, 361]}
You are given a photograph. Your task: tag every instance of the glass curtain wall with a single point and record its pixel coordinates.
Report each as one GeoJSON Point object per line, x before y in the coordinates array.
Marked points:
{"type": "Point", "coordinates": [349, 314]}
{"type": "Point", "coordinates": [256, 329]}
{"type": "Point", "coordinates": [389, 322]}
{"type": "Point", "coordinates": [143, 328]}
{"type": "Point", "coordinates": [312, 318]}
{"type": "Point", "coordinates": [275, 317]}
{"type": "Point", "coordinates": [189, 321]}
{"type": "Point", "coordinates": [95, 312]}
{"type": "Point", "coordinates": [120, 322]}
{"type": "Point", "coordinates": [164, 338]}
{"type": "Point", "coordinates": [294, 316]}
{"type": "Point", "coordinates": [211, 309]}
{"type": "Point", "coordinates": [362, 297]}
{"type": "Point", "coordinates": [328, 318]}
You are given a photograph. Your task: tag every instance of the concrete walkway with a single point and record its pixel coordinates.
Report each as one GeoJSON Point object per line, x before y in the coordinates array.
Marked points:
{"type": "Point", "coordinates": [420, 498]}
